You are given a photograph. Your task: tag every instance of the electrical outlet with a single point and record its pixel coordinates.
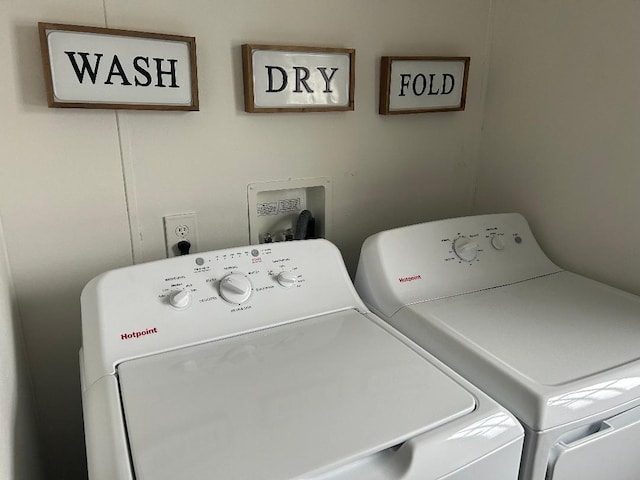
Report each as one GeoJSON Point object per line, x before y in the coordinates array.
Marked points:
{"type": "Point", "coordinates": [178, 228]}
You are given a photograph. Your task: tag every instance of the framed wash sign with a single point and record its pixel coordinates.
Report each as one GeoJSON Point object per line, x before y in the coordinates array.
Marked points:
{"type": "Point", "coordinates": [93, 67]}
{"type": "Point", "coordinates": [297, 79]}
{"type": "Point", "coordinates": [423, 84]}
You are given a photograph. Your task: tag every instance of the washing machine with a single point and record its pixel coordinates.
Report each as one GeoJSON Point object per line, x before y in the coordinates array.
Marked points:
{"type": "Point", "coordinates": [560, 351]}
{"type": "Point", "coordinates": [261, 362]}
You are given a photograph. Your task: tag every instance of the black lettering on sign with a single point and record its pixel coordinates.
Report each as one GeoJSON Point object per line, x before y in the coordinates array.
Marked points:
{"type": "Point", "coordinates": [142, 74]}
{"type": "Point", "coordinates": [431, 82]}
{"type": "Point", "coordinates": [283, 79]}
{"type": "Point", "coordinates": [142, 71]}
{"type": "Point", "coordinates": [419, 84]}
{"type": "Point", "coordinates": [278, 79]}
{"type": "Point", "coordinates": [327, 79]}
{"type": "Point", "coordinates": [86, 66]}
{"type": "Point", "coordinates": [116, 69]}
{"type": "Point", "coordinates": [302, 75]}
{"type": "Point", "coordinates": [420, 81]}
{"type": "Point", "coordinates": [171, 71]}
{"type": "Point", "coordinates": [445, 77]}
{"type": "Point", "coordinates": [405, 78]}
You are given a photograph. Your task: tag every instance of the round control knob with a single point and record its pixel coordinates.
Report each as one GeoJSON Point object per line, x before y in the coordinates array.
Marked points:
{"type": "Point", "coordinates": [497, 242]}
{"type": "Point", "coordinates": [235, 288]}
{"type": "Point", "coordinates": [465, 248]}
{"type": "Point", "coordinates": [180, 299]}
{"type": "Point", "coordinates": [287, 279]}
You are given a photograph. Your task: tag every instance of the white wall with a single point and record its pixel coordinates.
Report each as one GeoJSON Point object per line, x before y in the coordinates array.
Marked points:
{"type": "Point", "coordinates": [62, 192]}
{"type": "Point", "coordinates": [19, 446]}
{"type": "Point", "coordinates": [64, 213]}
{"type": "Point", "coordinates": [385, 171]}
{"type": "Point", "coordinates": [561, 137]}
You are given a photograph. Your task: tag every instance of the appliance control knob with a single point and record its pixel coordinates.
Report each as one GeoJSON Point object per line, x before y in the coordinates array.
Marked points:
{"type": "Point", "coordinates": [180, 299]}
{"type": "Point", "coordinates": [465, 248]}
{"type": "Point", "coordinates": [497, 242]}
{"type": "Point", "coordinates": [287, 279]}
{"type": "Point", "coordinates": [235, 288]}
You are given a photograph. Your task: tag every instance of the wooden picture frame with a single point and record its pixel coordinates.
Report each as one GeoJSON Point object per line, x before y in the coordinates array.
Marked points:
{"type": "Point", "coordinates": [281, 78]}
{"type": "Point", "coordinates": [413, 84]}
{"type": "Point", "coordinates": [95, 67]}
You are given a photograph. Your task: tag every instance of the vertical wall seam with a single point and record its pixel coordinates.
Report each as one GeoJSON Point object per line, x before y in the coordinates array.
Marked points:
{"type": "Point", "coordinates": [104, 13]}
{"type": "Point", "coordinates": [128, 178]}
{"type": "Point", "coordinates": [483, 104]}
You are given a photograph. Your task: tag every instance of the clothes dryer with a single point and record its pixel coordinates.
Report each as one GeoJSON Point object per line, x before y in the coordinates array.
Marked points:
{"type": "Point", "coordinates": [560, 351]}
{"type": "Point", "coordinates": [261, 362]}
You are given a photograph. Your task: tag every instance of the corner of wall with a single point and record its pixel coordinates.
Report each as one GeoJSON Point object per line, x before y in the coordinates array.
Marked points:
{"type": "Point", "coordinates": [19, 443]}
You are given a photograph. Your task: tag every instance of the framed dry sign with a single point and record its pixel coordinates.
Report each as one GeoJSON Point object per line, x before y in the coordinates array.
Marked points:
{"type": "Point", "coordinates": [297, 79]}
{"type": "Point", "coordinates": [423, 84]}
{"type": "Point", "coordinates": [93, 67]}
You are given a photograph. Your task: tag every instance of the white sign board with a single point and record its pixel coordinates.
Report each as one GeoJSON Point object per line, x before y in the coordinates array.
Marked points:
{"type": "Point", "coordinates": [422, 84]}
{"type": "Point", "coordinates": [297, 78]}
{"type": "Point", "coordinates": [103, 68]}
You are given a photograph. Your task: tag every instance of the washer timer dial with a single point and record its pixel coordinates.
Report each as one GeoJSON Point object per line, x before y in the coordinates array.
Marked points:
{"type": "Point", "coordinates": [465, 249]}
{"type": "Point", "coordinates": [235, 288]}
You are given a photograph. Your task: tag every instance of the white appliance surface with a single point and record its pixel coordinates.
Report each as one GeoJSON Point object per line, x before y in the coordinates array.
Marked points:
{"type": "Point", "coordinates": [576, 326]}
{"type": "Point", "coordinates": [261, 362]}
{"type": "Point", "coordinates": [558, 350]}
{"type": "Point", "coordinates": [418, 263]}
{"type": "Point", "coordinates": [566, 344]}
{"type": "Point", "coordinates": [239, 407]}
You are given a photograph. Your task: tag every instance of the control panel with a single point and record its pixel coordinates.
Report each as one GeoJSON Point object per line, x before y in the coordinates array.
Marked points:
{"type": "Point", "coordinates": [444, 258]}
{"type": "Point", "coordinates": [182, 301]}
{"type": "Point", "coordinates": [470, 246]}
{"type": "Point", "coordinates": [231, 278]}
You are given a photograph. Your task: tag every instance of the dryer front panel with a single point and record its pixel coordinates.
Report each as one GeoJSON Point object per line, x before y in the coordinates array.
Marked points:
{"type": "Point", "coordinates": [606, 450]}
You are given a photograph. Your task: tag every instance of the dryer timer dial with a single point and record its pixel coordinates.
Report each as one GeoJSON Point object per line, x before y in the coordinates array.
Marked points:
{"type": "Point", "coordinates": [465, 249]}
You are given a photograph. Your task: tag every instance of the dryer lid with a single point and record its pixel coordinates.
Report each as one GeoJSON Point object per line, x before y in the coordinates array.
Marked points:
{"type": "Point", "coordinates": [283, 402]}
{"type": "Point", "coordinates": [565, 342]}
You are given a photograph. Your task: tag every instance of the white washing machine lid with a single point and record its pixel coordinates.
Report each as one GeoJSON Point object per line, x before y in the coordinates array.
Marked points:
{"type": "Point", "coordinates": [552, 349]}
{"type": "Point", "coordinates": [282, 402]}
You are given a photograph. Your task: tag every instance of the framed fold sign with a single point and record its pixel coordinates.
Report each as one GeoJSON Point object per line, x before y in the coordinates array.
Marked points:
{"type": "Point", "coordinates": [423, 84]}
{"type": "Point", "coordinates": [297, 79]}
{"type": "Point", "coordinates": [94, 67]}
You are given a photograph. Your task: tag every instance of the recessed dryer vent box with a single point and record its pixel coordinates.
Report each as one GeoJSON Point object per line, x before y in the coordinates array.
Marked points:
{"type": "Point", "coordinates": [274, 207]}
